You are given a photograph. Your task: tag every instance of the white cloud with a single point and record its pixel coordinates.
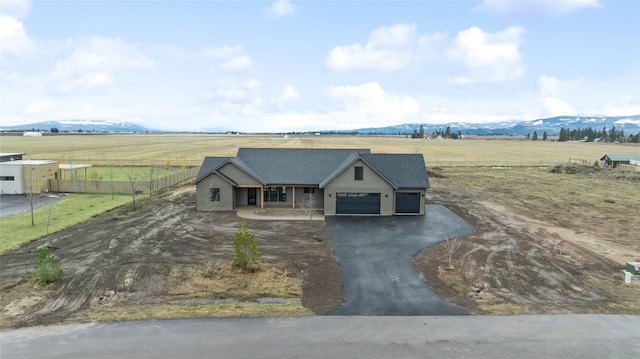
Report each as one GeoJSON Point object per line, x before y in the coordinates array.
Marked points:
{"type": "Point", "coordinates": [289, 94]}
{"type": "Point", "coordinates": [234, 91]}
{"type": "Point", "coordinates": [94, 62]}
{"type": "Point", "coordinates": [389, 48]}
{"type": "Point", "coordinates": [16, 8]}
{"type": "Point", "coordinates": [536, 8]}
{"type": "Point", "coordinates": [553, 90]}
{"type": "Point", "coordinates": [551, 86]}
{"type": "Point", "coordinates": [13, 37]}
{"type": "Point", "coordinates": [626, 106]}
{"type": "Point", "coordinates": [237, 63]}
{"type": "Point", "coordinates": [370, 104]}
{"type": "Point", "coordinates": [281, 8]}
{"type": "Point", "coordinates": [555, 107]}
{"type": "Point", "coordinates": [223, 52]}
{"type": "Point", "coordinates": [39, 107]}
{"type": "Point", "coordinates": [252, 84]}
{"type": "Point", "coordinates": [232, 57]}
{"type": "Point", "coordinates": [486, 57]}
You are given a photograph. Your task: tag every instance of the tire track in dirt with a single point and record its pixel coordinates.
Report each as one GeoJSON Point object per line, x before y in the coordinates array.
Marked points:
{"type": "Point", "coordinates": [516, 259]}
{"type": "Point", "coordinates": [125, 256]}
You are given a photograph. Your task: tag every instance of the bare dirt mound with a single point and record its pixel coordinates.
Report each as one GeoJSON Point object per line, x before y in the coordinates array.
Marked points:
{"type": "Point", "coordinates": [126, 256]}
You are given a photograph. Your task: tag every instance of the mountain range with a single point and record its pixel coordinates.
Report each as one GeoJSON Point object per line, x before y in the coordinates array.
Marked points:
{"type": "Point", "coordinates": [552, 126]}
{"type": "Point", "coordinates": [79, 126]}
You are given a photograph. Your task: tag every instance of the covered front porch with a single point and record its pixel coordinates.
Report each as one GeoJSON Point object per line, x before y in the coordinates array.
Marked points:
{"type": "Point", "coordinates": [279, 197]}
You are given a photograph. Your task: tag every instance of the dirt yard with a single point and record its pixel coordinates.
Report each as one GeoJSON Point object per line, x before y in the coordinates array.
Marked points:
{"type": "Point", "coordinates": [529, 254]}
{"type": "Point", "coordinates": [544, 243]}
{"type": "Point", "coordinates": [137, 257]}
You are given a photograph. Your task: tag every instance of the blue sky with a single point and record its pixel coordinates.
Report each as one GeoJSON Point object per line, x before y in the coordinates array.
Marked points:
{"type": "Point", "coordinates": [316, 65]}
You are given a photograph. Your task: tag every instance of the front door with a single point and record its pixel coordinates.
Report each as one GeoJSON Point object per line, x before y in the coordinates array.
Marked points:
{"type": "Point", "coordinates": [251, 196]}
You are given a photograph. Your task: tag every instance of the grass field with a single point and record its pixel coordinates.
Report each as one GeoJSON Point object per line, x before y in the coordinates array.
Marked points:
{"type": "Point", "coordinates": [176, 150]}
{"type": "Point", "coordinates": [601, 202]}
{"type": "Point", "coordinates": [118, 173]}
{"type": "Point", "coordinates": [68, 211]}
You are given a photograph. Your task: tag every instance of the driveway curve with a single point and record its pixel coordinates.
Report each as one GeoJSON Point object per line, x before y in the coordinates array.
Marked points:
{"type": "Point", "coordinates": [376, 261]}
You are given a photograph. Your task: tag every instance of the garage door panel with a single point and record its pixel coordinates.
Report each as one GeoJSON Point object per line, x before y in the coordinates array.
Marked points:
{"type": "Point", "coordinates": [357, 203]}
{"type": "Point", "coordinates": [407, 202]}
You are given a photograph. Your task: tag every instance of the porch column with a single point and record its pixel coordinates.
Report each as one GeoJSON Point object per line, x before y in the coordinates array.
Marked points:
{"type": "Point", "coordinates": [261, 197]}
{"type": "Point", "coordinates": [293, 197]}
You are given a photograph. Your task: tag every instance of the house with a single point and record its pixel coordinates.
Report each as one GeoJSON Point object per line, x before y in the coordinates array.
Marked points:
{"type": "Point", "coordinates": [338, 181]}
{"type": "Point", "coordinates": [613, 161]}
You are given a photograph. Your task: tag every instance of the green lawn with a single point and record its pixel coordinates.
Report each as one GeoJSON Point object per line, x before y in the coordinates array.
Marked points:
{"type": "Point", "coordinates": [70, 210]}
{"type": "Point", "coordinates": [118, 173]}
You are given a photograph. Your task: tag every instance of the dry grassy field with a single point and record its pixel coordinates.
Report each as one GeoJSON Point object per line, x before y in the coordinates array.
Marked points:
{"type": "Point", "coordinates": [180, 149]}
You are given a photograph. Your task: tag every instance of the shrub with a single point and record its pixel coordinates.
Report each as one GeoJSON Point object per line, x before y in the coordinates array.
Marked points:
{"type": "Point", "coordinates": [46, 271]}
{"type": "Point", "coordinates": [245, 249]}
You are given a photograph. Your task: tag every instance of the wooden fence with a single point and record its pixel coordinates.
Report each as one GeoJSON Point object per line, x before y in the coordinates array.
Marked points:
{"type": "Point", "coordinates": [102, 186]}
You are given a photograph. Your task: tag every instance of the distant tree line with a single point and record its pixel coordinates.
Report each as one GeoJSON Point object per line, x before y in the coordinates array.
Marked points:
{"type": "Point", "coordinates": [447, 133]}
{"type": "Point", "coordinates": [535, 136]}
{"type": "Point", "coordinates": [590, 135]}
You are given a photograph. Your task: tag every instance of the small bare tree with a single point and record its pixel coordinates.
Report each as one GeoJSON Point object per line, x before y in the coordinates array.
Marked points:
{"type": "Point", "coordinates": [215, 198]}
{"type": "Point", "coordinates": [451, 244]}
{"type": "Point", "coordinates": [33, 194]}
{"type": "Point", "coordinates": [111, 183]}
{"type": "Point", "coordinates": [132, 176]}
{"type": "Point", "coordinates": [96, 180]}
{"type": "Point", "coordinates": [310, 206]}
{"type": "Point", "coordinates": [49, 214]}
{"type": "Point", "coordinates": [152, 176]}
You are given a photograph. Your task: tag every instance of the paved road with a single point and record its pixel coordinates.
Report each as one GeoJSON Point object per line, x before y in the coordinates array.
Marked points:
{"type": "Point", "coordinates": [546, 336]}
{"type": "Point", "coordinates": [11, 204]}
{"type": "Point", "coordinates": [376, 260]}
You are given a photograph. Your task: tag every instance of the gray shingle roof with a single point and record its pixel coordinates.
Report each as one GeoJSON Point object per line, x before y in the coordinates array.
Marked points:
{"type": "Point", "coordinates": [294, 165]}
{"type": "Point", "coordinates": [403, 170]}
{"type": "Point", "coordinates": [301, 166]}
{"type": "Point", "coordinates": [209, 165]}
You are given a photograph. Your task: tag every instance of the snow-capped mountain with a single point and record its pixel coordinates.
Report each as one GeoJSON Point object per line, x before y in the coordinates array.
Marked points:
{"type": "Point", "coordinates": [629, 124]}
{"type": "Point", "coordinates": [552, 125]}
{"type": "Point", "coordinates": [79, 125]}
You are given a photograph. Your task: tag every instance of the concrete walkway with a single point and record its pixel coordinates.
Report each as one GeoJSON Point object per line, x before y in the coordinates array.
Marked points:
{"type": "Point", "coordinates": [524, 337]}
{"type": "Point", "coordinates": [276, 214]}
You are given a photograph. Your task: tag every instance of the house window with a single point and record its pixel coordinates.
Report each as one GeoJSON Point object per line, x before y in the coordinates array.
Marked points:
{"type": "Point", "coordinates": [215, 194]}
{"type": "Point", "coordinates": [275, 194]}
{"type": "Point", "coordinates": [7, 178]}
{"type": "Point", "coordinates": [358, 174]}
{"type": "Point", "coordinates": [309, 190]}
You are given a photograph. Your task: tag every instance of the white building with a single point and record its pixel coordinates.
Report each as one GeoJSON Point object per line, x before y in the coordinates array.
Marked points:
{"type": "Point", "coordinates": [24, 176]}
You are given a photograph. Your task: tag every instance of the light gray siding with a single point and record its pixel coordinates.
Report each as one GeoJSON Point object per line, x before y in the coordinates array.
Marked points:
{"type": "Point", "coordinates": [239, 176]}
{"type": "Point", "coordinates": [11, 182]}
{"type": "Point", "coordinates": [317, 195]}
{"type": "Point", "coordinates": [203, 198]}
{"type": "Point", "coordinates": [371, 183]}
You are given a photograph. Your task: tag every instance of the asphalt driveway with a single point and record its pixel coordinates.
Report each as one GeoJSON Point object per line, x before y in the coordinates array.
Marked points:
{"type": "Point", "coordinates": [11, 204]}
{"type": "Point", "coordinates": [376, 261]}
